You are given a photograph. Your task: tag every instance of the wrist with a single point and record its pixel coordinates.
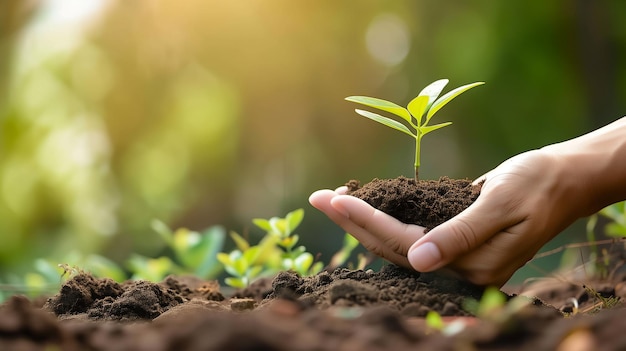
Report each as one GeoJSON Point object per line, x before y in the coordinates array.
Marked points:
{"type": "Point", "coordinates": [594, 167]}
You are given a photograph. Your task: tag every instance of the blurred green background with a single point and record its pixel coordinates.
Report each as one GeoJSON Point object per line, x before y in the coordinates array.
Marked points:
{"type": "Point", "coordinates": [113, 113]}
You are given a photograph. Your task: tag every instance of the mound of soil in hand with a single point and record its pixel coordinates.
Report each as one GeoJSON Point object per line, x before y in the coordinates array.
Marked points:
{"type": "Point", "coordinates": [426, 203]}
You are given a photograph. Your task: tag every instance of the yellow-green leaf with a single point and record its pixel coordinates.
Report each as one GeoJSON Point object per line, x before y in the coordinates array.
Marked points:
{"type": "Point", "coordinates": [386, 121]}
{"type": "Point", "coordinates": [442, 101]}
{"type": "Point", "coordinates": [224, 258]}
{"type": "Point", "coordinates": [293, 219]}
{"type": "Point", "coordinates": [434, 320]}
{"type": "Point", "coordinates": [384, 105]}
{"type": "Point", "coordinates": [433, 90]}
{"type": "Point", "coordinates": [241, 243]}
{"type": "Point", "coordinates": [417, 107]}
{"type": "Point", "coordinates": [239, 283]}
{"type": "Point", "coordinates": [263, 224]}
{"type": "Point", "coordinates": [427, 129]}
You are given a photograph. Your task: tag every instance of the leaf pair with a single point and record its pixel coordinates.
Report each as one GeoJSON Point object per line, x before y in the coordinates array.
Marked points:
{"type": "Point", "coordinates": [417, 114]}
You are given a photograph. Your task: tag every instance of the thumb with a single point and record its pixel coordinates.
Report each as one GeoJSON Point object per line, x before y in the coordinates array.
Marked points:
{"type": "Point", "coordinates": [456, 237]}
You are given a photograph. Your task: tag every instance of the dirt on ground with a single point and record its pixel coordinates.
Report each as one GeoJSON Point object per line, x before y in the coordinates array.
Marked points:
{"type": "Point", "coordinates": [341, 309]}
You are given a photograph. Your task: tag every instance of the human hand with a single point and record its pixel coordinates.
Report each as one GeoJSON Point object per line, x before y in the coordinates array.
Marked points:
{"type": "Point", "coordinates": [524, 203]}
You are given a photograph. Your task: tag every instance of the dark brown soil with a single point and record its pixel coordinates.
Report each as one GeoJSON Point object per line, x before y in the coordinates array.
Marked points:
{"type": "Point", "coordinates": [426, 203]}
{"type": "Point", "coordinates": [339, 310]}
{"type": "Point", "coordinates": [342, 310]}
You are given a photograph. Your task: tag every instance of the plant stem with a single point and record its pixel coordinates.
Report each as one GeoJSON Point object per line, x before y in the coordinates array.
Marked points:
{"type": "Point", "coordinates": [418, 139]}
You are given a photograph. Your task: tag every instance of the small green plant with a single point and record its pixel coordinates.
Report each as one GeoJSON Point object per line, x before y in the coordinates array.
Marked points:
{"type": "Point", "coordinates": [491, 303]}
{"type": "Point", "coordinates": [495, 306]}
{"type": "Point", "coordinates": [434, 321]}
{"type": "Point", "coordinates": [195, 253]}
{"type": "Point", "coordinates": [294, 257]}
{"type": "Point", "coordinates": [615, 228]}
{"type": "Point", "coordinates": [277, 250]}
{"type": "Point", "coordinates": [48, 275]}
{"type": "Point", "coordinates": [417, 114]}
{"type": "Point", "coordinates": [247, 262]}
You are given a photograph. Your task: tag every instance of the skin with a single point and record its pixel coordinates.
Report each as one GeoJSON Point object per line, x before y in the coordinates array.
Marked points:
{"type": "Point", "coordinates": [524, 202]}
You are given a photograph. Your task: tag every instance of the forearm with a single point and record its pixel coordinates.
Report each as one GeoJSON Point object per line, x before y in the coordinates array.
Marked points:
{"type": "Point", "coordinates": [594, 167]}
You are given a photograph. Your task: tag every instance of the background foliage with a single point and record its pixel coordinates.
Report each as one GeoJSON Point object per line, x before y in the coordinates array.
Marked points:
{"type": "Point", "coordinates": [113, 113]}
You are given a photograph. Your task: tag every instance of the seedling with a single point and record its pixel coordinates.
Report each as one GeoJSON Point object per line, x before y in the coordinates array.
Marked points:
{"type": "Point", "coordinates": [494, 305]}
{"type": "Point", "coordinates": [294, 257]}
{"type": "Point", "coordinates": [248, 262]}
{"type": "Point", "coordinates": [194, 251]}
{"type": "Point", "coordinates": [277, 250]}
{"type": "Point", "coordinates": [417, 114]}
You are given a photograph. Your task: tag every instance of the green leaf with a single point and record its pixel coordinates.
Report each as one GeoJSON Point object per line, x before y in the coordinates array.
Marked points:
{"type": "Point", "coordinates": [349, 242]}
{"type": "Point", "coordinates": [616, 212]}
{"type": "Point", "coordinates": [382, 105]}
{"type": "Point", "coordinates": [417, 107]}
{"type": "Point", "coordinates": [386, 121]}
{"type": "Point", "coordinates": [615, 230]}
{"type": "Point", "coordinates": [303, 262]}
{"type": "Point", "coordinates": [212, 241]}
{"type": "Point", "coordinates": [151, 269]}
{"type": "Point", "coordinates": [239, 283]}
{"type": "Point", "coordinates": [224, 258]}
{"type": "Point", "coordinates": [279, 227]}
{"type": "Point", "coordinates": [252, 254]}
{"type": "Point", "coordinates": [491, 301]}
{"type": "Point", "coordinates": [289, 242]}
{"type": "Point", "coordinates": [268, 251]}
{"type": "Point", "coordinates": [240, 265]}
{"type": "Point", "coordinates": [298, 251]}
{"type": "Point", "coordinates": [232, 271]}
{"type": "Point", "coordinates": [433, 90]}
{"type": "Point", "coordinates": [254, 272]}
{"type": "Point", "coordinates": [293, 219]}
{"type": "Point", "coordinates": [442, 101]}
{"type": "Point", "coordinates": [197, 251]}
{"type": "Point", "coordinates": [241, 243]}
{"type": "Point", "coordinates": [427, 129]}
{"type": "Point", "coordinates": [183, 239]}
{"type": "Point", "coordinates": [434, 320]}
{"type": "Point", "coordinates": [263, 224]}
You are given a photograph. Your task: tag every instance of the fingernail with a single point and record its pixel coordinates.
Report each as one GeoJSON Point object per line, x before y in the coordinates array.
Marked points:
{"type": "Point", "coordinates": [424, 257]}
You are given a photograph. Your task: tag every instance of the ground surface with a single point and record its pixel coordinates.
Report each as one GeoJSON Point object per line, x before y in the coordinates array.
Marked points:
{"type": "Point", "coordinates": [342, 310]}
{"type": "Point", "coordinates": [339, 310]}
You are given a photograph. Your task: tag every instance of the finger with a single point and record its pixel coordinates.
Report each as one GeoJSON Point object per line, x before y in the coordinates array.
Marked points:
{"type": "Point", "coordinates": [480, 179]}
{"type": "Point", "coordinates": [390, 232]}
{"type": "Point", "coordinates": [342, 190]}
{"type": "Point", "coordinates": [321, 200]}
{"type": "Point", "coordinates": [460, 235]}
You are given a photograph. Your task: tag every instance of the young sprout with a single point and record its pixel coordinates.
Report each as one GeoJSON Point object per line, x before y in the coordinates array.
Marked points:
{"type": "Point", "coordinates": [417, 114]}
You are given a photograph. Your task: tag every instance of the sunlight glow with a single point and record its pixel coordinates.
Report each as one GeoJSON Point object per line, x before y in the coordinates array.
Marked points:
{"type": "Point", "coordinates": [388, 39]}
